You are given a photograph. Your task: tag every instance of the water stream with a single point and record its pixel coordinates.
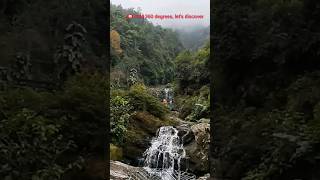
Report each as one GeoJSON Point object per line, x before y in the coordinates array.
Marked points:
{"type": "Point", "coordinates": [165, 153]}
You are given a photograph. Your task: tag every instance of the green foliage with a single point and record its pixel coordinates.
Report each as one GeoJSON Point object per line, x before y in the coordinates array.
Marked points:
{"type": "Point", "coordinates": [69, 57]}
{"type": "Point", "coordinates": [45, 132]}
{"type": "Point", "coordinates": [195, 107]}
{"type": "Point", "coordinates": [40, 129]}
{"type": "Point", "coordinates": [192, 70]}
{"type": "Point", "coordinates": [290, 146]}
{"type": "Point", "coordinates": [147, 48]}
{"type": "Point", "coordinates": [36, 29]}
{"type": "Point", "coordinates": [31, 146]}
{"type": "Point", "coordinates": [266, 81]}
{"type": "Point", "coordinates": [82, 104]}
{"type": "Point", "coordinates": [185, 105]}
{"type": "Point", "coordinates": [192, 80]}
{"type": "Point", "coordinates": [141, 100]}
{"type": "Point", "coordinates": [200, 109]}
{"type": "Point", "coordinates": [120, 110]}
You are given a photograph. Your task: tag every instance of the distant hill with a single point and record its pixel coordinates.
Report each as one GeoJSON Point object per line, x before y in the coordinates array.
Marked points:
{"type": "Point", "coordinates": [195, 37]}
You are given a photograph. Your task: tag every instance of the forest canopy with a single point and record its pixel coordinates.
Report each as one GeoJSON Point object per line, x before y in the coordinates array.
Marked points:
{"type": "Point", "coordinates": [53, 66]}
{"type": "Point", "coordinates": [147, 48]}
{"type": "Point", "coordinates": [265, 77]}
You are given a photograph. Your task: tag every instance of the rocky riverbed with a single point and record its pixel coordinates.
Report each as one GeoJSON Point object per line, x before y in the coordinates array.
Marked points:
{"type": "Point", "coordinates": [119, 171]}
{"type": "Point", "coordinates": [195, 137]}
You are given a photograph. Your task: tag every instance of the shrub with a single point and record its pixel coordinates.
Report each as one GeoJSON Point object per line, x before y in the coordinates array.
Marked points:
{"type": "Point", "coordinates": [31, 146]}
{"type": "Point", "coordinates": [143, 101]}
{"type": "Point", "coordinates": [82, 109]}
{"type": "Point", "coordinates": [55, 123]}
{"type": "Point", "coordinates": [193, 108]}
{"type": "Point", "coordinates": [120, 111]}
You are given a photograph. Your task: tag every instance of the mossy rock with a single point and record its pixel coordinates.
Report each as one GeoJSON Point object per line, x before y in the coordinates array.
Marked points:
{"type": "Point", "coordinates": [142, 100]}
{"type": "Point", "coordinates": [142, 128]}
{"type": "Point", "coordinates": [116, 153]}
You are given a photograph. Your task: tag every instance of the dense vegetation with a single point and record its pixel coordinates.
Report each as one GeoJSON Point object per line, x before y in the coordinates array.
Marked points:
{"type": "Point", "coordinates": [146, 61]}
{"type": "Point", "coordinates": [142, 55]}
{"type": "Point", "coordinates": [40, 130]}
{"type": "Point", "coordinates": [265, 84]}
{"type": "Point", "coordinates": [52, 76]}
{"type": "Point", "coordinates": [125, 103]}
{"type": "Point", "coordinates": [139, 44]}
{"type": "Point", "coordinates": [192, 83]}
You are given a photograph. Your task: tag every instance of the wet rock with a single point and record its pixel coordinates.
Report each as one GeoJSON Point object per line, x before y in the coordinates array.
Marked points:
{"type": "Point", "coordinates": [185, 133]}
{"type": "Point", "coordinates": [204, 120]}
{"type": "Point", "coordinates": [120, 171]}
{"type": "Point", "coordinates": [198, 149]}
{"type": "Point", "coordinates": [205, 177]}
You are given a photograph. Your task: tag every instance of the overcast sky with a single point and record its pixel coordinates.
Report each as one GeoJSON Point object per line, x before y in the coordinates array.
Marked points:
{"type": "Point", "coordinates": [172, 7]}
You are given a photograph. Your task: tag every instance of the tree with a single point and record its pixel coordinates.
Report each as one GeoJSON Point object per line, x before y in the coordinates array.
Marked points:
{"type": "Point", "coordinates": [115, 42]}
{"type": "Point", "coordinates": [69, 57]}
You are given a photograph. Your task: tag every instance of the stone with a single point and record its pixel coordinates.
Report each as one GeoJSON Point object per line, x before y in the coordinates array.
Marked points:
{"type": "Point", "coordinates": [185, 133]}
{"type": "Point", "coordinates": [205, 177]}
{"type": "Point", "coordinates": [119, 170]}
{"type": "Point", "coordinates": [204, 120]}
{"type": "Point", "coordinates": [198, 150]}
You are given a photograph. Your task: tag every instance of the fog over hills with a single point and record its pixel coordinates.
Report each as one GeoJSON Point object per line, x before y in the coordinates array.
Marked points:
{"type": "Point", "coordinates": [194, 37]}
{"type": "Point", "coordinates": [171, 7]}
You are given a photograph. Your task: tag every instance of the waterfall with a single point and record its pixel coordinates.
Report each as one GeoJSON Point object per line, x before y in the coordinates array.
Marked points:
{"type": "Point", "coordinates": [165, 153]}
{"type": "Point", "coordinates": [166, 91]}
{"type": "Point", "coordinates": [168, 95]}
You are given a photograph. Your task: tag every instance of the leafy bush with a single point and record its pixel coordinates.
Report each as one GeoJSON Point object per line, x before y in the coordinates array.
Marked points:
{"type": "Point", "coordinates": [192, 70]}
{"type": "Point", "coordinates": [195, 107]}
{"type": "Point", "coordinates": [81, 107]}
{"type": "Point", "coordinates": [266, 144]}
{"type": "Point", "coordinates": [31, 146]}
{"type": "Point", "coordinates": [143, 101]}
{"type": "Point", "coordinates": [200, 108]}
{"type": "Point", "coordinates": [184, 105]}
{"type": "Point", "coordinates": [120, 111]}
{"type": "Point", "coordinates": [291, 145]}
{"type": "Point", "coordinates": [13, 100]}
{"type": "Point", "coordinates": [39, 129]}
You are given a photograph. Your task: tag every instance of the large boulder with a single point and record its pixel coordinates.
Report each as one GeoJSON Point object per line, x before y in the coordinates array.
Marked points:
{"type": "Point", "coordinates": [198, 150]}
{"type": "Point", "coordinates": [120, 171]}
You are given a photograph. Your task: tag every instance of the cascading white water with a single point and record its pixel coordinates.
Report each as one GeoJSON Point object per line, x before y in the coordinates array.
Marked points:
{"type": "Point", "coordinates": [166, 91]}
{"type": "Point", "coordinates": [165, 153]}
